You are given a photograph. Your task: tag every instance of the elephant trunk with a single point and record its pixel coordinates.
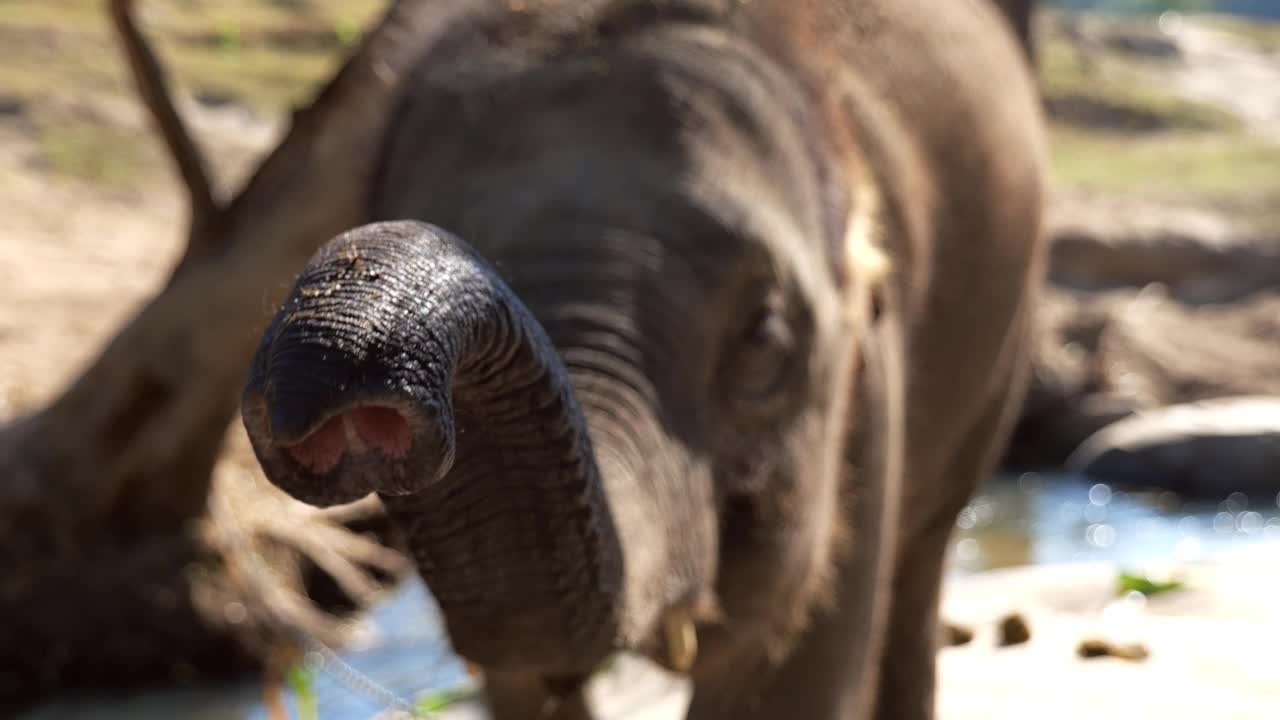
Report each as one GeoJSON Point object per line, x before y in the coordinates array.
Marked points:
{"type": "Point", "coordinates": [402, 364]}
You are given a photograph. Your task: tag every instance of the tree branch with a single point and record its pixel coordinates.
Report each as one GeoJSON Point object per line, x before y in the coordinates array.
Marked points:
{"type": "Point", "coordinates": [153, 86]}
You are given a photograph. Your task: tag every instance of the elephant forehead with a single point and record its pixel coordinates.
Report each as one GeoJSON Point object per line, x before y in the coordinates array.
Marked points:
{"type": "Point", "coordinates": [677, 111]}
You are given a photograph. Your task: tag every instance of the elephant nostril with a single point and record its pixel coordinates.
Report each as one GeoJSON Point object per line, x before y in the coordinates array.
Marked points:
{"type": "Point", "coordinates": [322, 449]}
{"type": "Point", "coordinates": [378, 428]}
{"type": "Point", "coordinates": [383, 428]}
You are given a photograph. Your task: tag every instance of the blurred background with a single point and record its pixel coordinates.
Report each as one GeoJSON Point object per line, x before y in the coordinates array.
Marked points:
{"type": "Point", "coordinates": [1138, 503]}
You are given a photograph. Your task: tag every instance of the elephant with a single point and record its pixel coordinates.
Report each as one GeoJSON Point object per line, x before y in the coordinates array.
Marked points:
{"type": "Point", "coordinates": [682, 328]}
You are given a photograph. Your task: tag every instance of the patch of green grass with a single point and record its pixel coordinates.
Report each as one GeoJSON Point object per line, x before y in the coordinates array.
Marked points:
{"type": "Point", "coordinates": [100, 154]}
{"type": "Point", "coordinates": [1116, 130]}
{"type": "Point", "coordinates": [1116, 93]}
{"type": "Point", "coordinates": [438, 701]}
{"type": "Point", "coordinates": [61, 59]}
{"type": "Point", "coordinates": [1129, 582]}
{"type": "Point", "coordinates": [1219, 165]}
{"type": "Point", "coordinates": [61, 15]}
{"type": "Point", "coordinates": [246, 49]}
{"type": "Point", "coordinates": [268, 55]}
{"type": "Point", "coordinates": [303, 684]}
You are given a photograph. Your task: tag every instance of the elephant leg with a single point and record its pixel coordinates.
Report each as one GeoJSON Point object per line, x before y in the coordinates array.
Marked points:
{"type": "Point", "coordinates": [524, 696]}
{"type": "Point", "coordinates": [908, 669]}
{"type": "Point", "coordinates": [831, 672]}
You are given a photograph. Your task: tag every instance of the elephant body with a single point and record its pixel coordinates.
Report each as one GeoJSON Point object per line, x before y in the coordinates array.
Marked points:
{"type": "Point", "coordinates": [721, 317]}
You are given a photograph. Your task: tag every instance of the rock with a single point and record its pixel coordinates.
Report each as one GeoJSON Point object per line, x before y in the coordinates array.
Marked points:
{"type": "Point", "coordinates": [1211, 647]}
{"type": "Point", "coordinates": [1147, 43]}
{"type": "Point", "coordinates": [1094, 648]}
{"type": "Point", "coordinates": [954, 635]}
{"type": "Point", "coordinates": [1199, 256]}
{"type": "Point", "coordinates": [1148, 306]}
{"type": "Point", "coordinates": [1013, 631]}
{"type": "Point", "coordinates": [1134, 652]}
{"type": "Point", "coordinates": [1102, 356]}
{"type": "Point", "coordinates": [1208, 449]}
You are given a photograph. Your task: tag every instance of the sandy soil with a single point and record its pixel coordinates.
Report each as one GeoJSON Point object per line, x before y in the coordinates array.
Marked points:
{"type": "Point", "coordinates": [74, 263]}
{"type": "Point", "coordinates": [76, 260]}
{"type": "Point", "coordinates": [1211, 647]}
{"type": "Point", "coordinates": [1216, 68]}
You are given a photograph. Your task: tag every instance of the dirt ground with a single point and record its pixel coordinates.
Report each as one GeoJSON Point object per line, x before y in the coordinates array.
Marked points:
{"type": "Point", "coordinates": [1220, 71]}
{"type": "Point", "coordinates": [1210, 651]}
{"type": "Point", "coordinates": [77, 258]}
{"type": "Point", "coordinates": [73, 266]}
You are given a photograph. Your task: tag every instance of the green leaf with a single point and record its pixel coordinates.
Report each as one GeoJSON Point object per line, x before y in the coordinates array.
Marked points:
{"type": "Point", "coordinates": [1133, 582]}
{"type": "Point", "coordinates": [439, 700]}
{"type": "Point", "coordinates": [302, 683]}
{"type": "Point", "coordinates": [347, 32]}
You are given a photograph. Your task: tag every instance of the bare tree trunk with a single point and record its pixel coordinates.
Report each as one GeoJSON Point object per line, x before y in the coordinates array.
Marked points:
{"type": "Point", "coordinates": [116, 571]}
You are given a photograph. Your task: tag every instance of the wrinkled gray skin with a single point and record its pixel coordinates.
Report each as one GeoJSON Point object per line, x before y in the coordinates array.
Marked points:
{"type": "Point", "coordinates": [629, 382]}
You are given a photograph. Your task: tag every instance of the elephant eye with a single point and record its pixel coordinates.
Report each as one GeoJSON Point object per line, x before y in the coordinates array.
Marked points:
{"type": "Point", "coordinates": [765, 353]}
{"type": "Point", "coordinates": [769, 331]}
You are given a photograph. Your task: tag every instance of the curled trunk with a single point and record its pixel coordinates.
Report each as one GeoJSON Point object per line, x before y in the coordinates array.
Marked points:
{"type": "Point", "coordinates": [495, 483]}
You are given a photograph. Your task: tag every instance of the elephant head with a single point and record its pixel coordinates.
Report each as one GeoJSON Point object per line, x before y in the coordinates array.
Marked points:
{"type": "Point", "coordinates": [619, 394]}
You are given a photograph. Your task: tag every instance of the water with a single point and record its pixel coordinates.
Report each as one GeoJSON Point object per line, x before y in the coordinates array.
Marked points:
{"type": "Point", "coordinates": [1040, 519]}
{"type": "Point", "coordinates": [1266, 9]}
{"type": "Point", "coordinates": [1015, 521]}
{"type": "Point", "coordinates": [407, 656]}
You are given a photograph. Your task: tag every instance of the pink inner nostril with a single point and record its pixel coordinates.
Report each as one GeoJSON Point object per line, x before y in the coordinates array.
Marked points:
{"type": "Point", "coordinates": [322, 450]}
{"type": "Point", "coordinates": [379, 428]}
{"type": "Point", "coordinates": [382, 428]}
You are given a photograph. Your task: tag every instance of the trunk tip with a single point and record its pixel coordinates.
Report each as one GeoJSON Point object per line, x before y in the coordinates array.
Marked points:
{"type": "Point", "coordinates": [349, 452]}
